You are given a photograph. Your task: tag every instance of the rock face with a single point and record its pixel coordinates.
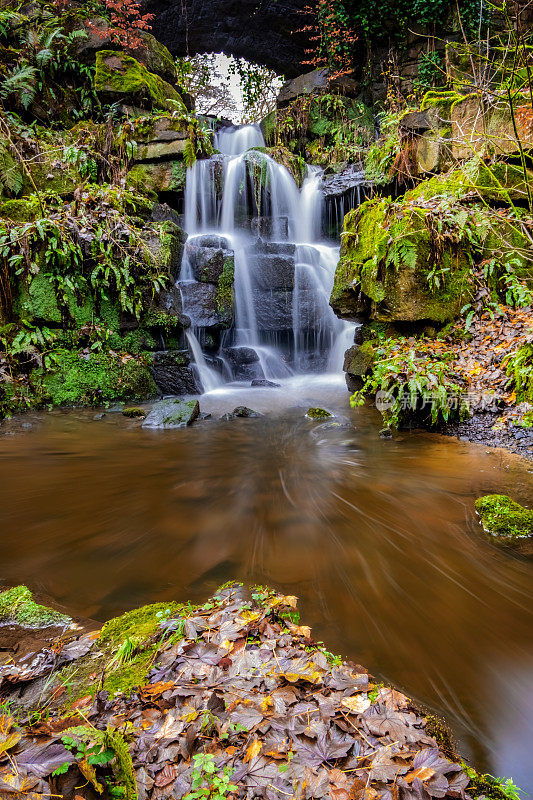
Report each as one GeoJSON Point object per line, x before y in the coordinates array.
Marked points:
{"type": "Point", "coordinates": [121, 77]}
{"type": "Point", "coordinates": [237, 27]}
{"type": "Point", "coordinates": [173, 373]}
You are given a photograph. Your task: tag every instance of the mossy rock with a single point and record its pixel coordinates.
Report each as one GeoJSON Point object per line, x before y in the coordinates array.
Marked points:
{"type": "Point", "coordinates": [24, 210]}
{"type": "Point", "coordinates": [98, 378]}
{"type": "Point", "coordinates": [134, 411]}
{"type": "Point", "coordinates": [154, 179]}
{"type": "Point", "coordinates": [17, 607]}
{"type": "Point", "coordinates": [224, 296]}
{"type": "Point", "coordinates": [499, 182]}
{"type": "Point", "coordinates": [268, 128]}
{"type": "Point", "coordinates": [359, 359]}
{"type": "Point", "coordinates": [281, 155]}
{"type": "Point", "coordinates": [385, 260]}
{"type": "Point", "coordinates": [120, 76]}
{"type": "Point", "coordinates": [506, 521]}
{"type": "Point", "coordinates": [318, 413]}
{"type": "Point", "coordinates": [164, 243]}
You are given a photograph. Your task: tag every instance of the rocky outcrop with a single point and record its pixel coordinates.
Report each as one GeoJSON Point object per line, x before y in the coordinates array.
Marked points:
{"type": "Point", "coordinates": [120, 77]}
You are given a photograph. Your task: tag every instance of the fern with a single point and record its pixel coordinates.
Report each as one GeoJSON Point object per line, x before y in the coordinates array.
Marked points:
{"type": "Point", "coordinates": [10, 171]}
{"type": "Point", "coordinates": [20, 82]}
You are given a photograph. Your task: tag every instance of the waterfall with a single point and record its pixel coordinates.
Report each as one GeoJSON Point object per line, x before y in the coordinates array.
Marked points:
{"type": "Point", "coordinates": [244, 212]}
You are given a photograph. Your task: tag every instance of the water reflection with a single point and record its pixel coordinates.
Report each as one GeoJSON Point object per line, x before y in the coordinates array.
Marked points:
{"type": "Point", "coordinates": [378, 538]}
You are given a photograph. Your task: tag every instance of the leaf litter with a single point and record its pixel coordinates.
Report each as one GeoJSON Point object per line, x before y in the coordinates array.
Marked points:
{"type": "Point", "coordinates": [238, 681]}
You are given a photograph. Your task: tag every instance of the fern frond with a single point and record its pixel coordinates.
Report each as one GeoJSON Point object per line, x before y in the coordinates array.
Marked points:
{"type": "Point", "coordinates": [20, 81]}
{"type": "Point", "coordinates": [189, 154]}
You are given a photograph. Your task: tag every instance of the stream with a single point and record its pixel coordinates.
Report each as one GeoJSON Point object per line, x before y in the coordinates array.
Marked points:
{"type": "Point", "coordinates": [379, 539]}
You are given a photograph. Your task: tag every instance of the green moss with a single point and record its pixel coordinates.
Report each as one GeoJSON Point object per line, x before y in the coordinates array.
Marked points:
{"type": "Point", "coordinates": [318, 413]}
{"type": "Point", "coordinates": [495, 182]}
{"type": "Point", "coordinates": [360, 359]}
{"type": "Point", "coordinates": [134, 411]}
{"type": "Point", "coordinates": [17, 606]}
{"type": "Point", "coordinates": [24, 210]}
{"type": "Point", "coordinates": [121, 75]}
{"type": "Point", "coordinates": [437, 728]}
{"type": "Point", "coordinates": [224, 292]}
{"type": "Point", "coordinates": [294, 164]}
{"type": "Point", "coordinates": [38, 300]}
{"type": "Point", "coordinates": [132, 675]}
{"type": "Point", "coordinates": [503, 517]}
{"type": "Point", "coordinates": [179, 176]}
{"type": "Point", "coordinates": [73, 379]}
{"type": "Point", "coordinates": [123, 764]}
{"type": "Point", "coordinates": [138, 624]}
{"type": "Point", "coordinates": [268, 128]}
{"type": "Point", "coordinates": [441, 101]}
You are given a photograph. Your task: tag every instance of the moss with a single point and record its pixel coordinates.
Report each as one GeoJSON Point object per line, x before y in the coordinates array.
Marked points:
{"type": "Point", "coordinates": [440, 101]}
{"type": "Point", "coordinates": [17, 606]}
{"type": "Point", "coordinates": [73, 379]}
{"type": "Point", "coordinates": [138, 624]}
{"type": "Point", "coordinates": [134, 411]}
{"type": "Point", "coordinates": [268, 128]}
{"type": "Point", "coordinates": [179, 176]}
{"type": "Point", "coordinates": [224, 292]}
{"type": "Point", "coordinates": [123, 764]}
{"type": "Point", "coordinates": [24, 210]}
{"type": "Point", "coordinates": [438, 729]}
{"type": "Point", "coordinates": [503, 517]}
{"type": "Point", "coordinates": [130, 676]}
{"type": "Point", "coordinates": [499, 182]}
{"type": "Point", "coordinates": [38, 300]}
{"type": "Point", "coordinates": [359, 359]}
{"type": "Point", "coordinates": [281, 155]}
{"type": "Point", "coordinates": [123, 76]}
{"type": "Point", "coordinates": [318, 413]}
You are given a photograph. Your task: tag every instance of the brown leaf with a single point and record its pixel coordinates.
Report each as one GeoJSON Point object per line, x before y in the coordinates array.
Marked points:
{"type": "Point", "coordinates": [422, 772]}
{"type": "Point", "coordinates": [166, 776]}
{"type": "Point", "coordinates": [156, 689]}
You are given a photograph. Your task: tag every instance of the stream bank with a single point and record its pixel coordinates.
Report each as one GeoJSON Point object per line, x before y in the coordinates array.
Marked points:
{"type": "Point", "coordinates": [231, 695]}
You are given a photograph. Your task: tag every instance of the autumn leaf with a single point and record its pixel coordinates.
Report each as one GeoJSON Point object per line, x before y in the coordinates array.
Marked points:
{"type": "Point", "coordinates": [253, 750]}
{"type": "Point", "coordinates": [156, 689]}
{"type": "Point", "coordinates": [357, 704]}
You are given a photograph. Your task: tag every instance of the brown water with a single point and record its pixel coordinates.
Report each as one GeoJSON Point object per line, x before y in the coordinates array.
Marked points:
{"type": "Point", "coordinates": [378, 538]}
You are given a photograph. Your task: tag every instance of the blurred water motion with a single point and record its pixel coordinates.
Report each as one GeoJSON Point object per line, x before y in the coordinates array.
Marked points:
{"type": "Point", "coordinates": [378, 538]}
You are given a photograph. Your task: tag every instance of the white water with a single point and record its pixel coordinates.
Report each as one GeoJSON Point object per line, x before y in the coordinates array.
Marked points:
{"type": "Point", "coordinates": [282, 327]}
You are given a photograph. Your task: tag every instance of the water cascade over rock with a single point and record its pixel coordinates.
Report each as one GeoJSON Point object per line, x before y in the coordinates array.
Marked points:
{"type": "Point", "coordinates": [256, 276]}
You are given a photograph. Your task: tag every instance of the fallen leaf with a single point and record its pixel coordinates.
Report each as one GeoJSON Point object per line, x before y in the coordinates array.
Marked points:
{"type": "Point", "coordinates": [253, 750]}
{"type": "Point", "coordinates": [357, 704]}
{"type": "Point", "coordinates": [166, 776]}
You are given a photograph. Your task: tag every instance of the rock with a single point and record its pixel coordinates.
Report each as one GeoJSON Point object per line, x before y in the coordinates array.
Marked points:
{"type": "Point", "coordinates": [340, 183]}
{"type": "Point", "coordinates": [358, 362]}
{"type": "Point", "coordinates": [274, 272]}
{"type": "Point", "coordinates": [508, 523]}
{"type": "Point", "coordinates": [134, 411]}
{"type": "Point", "coordinates": [98, 417]}
{"type": "Point", "coordinates": [473, 130]}
{"type": "Point", "coordinates": [313, 83]}
{"type": "Point", "coordinates": [385, 433]}
{"type": "Point", "coordinates": [264, 383]}
{"type": "Point", "coordinates": [163, 176]}
{"type": "Point", "coordinates": [396, 288]}
{"type": "Point", "coordinates": [164, 243]}
{"type": "Point", "coordinates": [274, 248]}
{"type": "Point", "coordinates": [172, 414]}
{"type": "Point", "coordinates": [270, 226]}
{"type": "Point", "coordinates": [205, 307]}
{"type": "Point", "coordinates": [241, 412]}
{"type": "Point", "coordinates": [17, 607]}
{"type": "Point", "coordinates": [162, 212]}
{"type": "Point", "coordinates": [173, 373]}
{"type": "Point", "coordinates": [318, 413]}
{"type": "Point", "coordinates": [208, 263]}
{"type": "Point", "coordinates": [295, 166]}
{"type": "Point", "coordinates": [243, 362]}
{"type": "Point", "coordinates": [417, 121]}
{"type": "Point", "coordinates": [120, 76]}
{"type": "Point", "coordinates": [210, 240]}
{"type": "Point", "coordinates": [162, 151]}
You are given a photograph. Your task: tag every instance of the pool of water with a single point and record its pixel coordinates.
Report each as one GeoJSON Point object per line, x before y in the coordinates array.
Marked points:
{"type": "Point", "coordinates": [378, 538]}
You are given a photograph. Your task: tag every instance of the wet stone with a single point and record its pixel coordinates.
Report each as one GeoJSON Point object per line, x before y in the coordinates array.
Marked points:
{"type": "Point", "coordinates": [274, 272]}
{"type": "Point", "coordinates": [243, 362]}
{"type": "Point", "coordinates": [263, 382]}
{"type": "Point", "coordinates": [173, 373]}
{"type": "Point", "coordinates": [172, 414]}
{"type": "Point", "coordinates": [270, 226]}
{"type": "Point", "coordinates": [241, 412]}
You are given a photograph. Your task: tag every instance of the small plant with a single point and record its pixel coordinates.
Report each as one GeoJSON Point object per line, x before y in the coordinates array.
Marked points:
{"type": "Point", "coordinates": [207, 783]}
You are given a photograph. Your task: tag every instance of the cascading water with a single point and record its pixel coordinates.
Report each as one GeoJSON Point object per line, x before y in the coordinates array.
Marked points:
{"type": "Point", "coordinates": [256, 278]}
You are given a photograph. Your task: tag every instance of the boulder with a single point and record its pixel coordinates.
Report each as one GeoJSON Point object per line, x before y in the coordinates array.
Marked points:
{"type": "Point", "coordinates": [243, 362]}
{"type": "Point", "coordinates": [316, 82]}
{"type": "Point", "coordinates": [208, 263]}
{"type": "Point", "coordinates": [263, 383]}
{"type": "Point", "coordinates": [241, 412]}
{"type": "Point", "coordinates": [274, 248]}
{"type": "Point", "coordinates": [172, 414]}
{"type": "Point", "coordinates": [173, 373]}
{"type": "Point", "coordinates": [478, 132]}
{"type": "Point", "coordinates": [358, 361]}
{"type": "Point", "coordinates": [385, 260]}
{"type": "Point", "coordinates": [119, 76]}
{"type": "Point", "coordinates": [162, 151]}
{"type": "Point", "coordinates": [318, 413]}
{"type": "Point", "coordinates": [508, 523]}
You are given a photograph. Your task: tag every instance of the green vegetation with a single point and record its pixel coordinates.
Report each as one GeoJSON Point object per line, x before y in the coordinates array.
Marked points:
{"type": "Point", "coordinates": [411, 384]}
{"type": "Point", "coordinates": [317, 413]}
{"type": "Point", "coordinates": [207, 783]}
{"type": "Point", "coordinates": [503, 517]}
{"type": "Point", "coordinates": [17, 606]}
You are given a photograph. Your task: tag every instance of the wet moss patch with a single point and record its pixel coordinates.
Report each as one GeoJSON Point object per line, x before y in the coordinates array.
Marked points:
{"type": "Point", "coordinates": [18, 607]}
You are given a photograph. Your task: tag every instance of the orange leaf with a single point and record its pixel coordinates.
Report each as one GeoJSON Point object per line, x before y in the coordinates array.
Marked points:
{"type": "Point", "coordinates": [156, 689]}
{"type": "Point", "coordinates": [253, 750]}
{"type": "Point", "coordinates": [422, 772]}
